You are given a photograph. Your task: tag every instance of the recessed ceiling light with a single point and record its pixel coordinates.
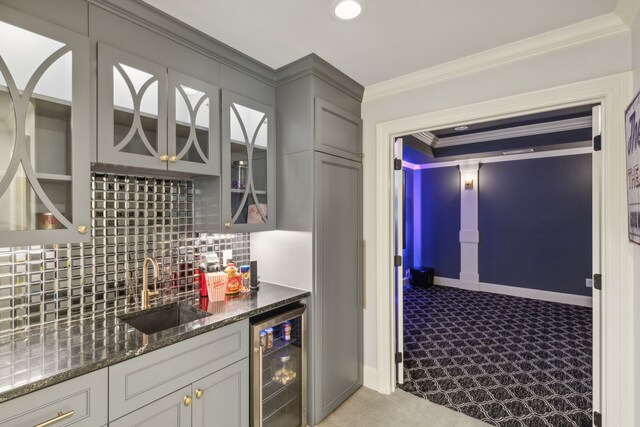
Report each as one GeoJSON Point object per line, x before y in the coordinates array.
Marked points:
{"type": "Point", "coordinates": [347, 10]}
{"type": "Point", "coordinates": [461, 128]}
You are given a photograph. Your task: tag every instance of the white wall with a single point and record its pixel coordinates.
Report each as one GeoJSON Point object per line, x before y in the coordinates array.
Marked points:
{"type": "Point", "coordinates": [635, 58]}
{"type": "Point", "coordinates": [592, 59]}
{"type": "Point", "coordinates": [285, 257]}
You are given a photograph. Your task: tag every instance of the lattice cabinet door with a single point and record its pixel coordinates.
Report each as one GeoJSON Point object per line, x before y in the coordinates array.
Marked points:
{"type": "Point", "coordinates": [132, 110]}
{"type": "Point", "coordinates": [248, 162]}
{"type": "Point", "coordinates": [44, 132]}
{"type": "Point", "coordinates": [194, 125]}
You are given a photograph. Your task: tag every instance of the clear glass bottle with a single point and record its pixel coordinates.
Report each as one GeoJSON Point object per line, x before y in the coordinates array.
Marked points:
{"type": "Point", "coordinates": [239, 172]}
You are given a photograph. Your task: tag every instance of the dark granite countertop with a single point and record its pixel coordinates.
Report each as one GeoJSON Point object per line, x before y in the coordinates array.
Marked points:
{"type": "Point", "coordinates": [57, 352]}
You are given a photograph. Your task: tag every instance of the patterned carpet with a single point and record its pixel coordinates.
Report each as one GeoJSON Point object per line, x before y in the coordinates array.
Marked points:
{"type": "Point", "coordinates": [505, 360]}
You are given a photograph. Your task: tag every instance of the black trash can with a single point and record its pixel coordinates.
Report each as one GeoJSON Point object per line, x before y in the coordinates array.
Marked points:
{"type": "Point", "coordinates": [422, 276]}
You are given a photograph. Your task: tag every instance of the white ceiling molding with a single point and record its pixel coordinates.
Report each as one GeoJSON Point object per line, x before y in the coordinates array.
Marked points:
{"type": "Point", "coordinates": [501, 158]}
{"type": "Point", "coordinates": [516, 132]}
{"type": "Point", "coordinates": [426, 137]}
{"type": "Point", "coordinates": [591, 29]}
{"type": "Point", "coordinates": [627, 10]}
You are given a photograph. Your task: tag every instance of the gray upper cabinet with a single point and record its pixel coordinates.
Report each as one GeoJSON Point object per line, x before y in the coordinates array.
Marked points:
{"type": "Point", "coordinates": [132, 110]}
{"type": "Point", "coordinates": [153, 117]}
{"type": "Point", "coordinates": [337, 131]}
{"type": "Point", "coordinates": [194, 128]}
{"type": "Point", "coordinates": [248, 159]}
{"type": "Point", "coordinates": [44, 132]}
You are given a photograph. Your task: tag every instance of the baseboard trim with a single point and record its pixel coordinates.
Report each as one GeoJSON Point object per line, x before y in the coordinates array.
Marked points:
{"type": "Point", "coordinates": [370, 377]}
{"type": "Point", "coordinates": [580, 300]}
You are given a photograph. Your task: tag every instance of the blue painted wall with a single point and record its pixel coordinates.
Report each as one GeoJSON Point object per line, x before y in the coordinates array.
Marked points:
{"type": "Point", "coordinates": [535, 223]}
{"type": "Point", "coordinates": [436, 220]}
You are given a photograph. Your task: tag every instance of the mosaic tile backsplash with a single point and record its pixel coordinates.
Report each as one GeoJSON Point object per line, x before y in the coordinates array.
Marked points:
{"type": "Point", "coordinates": [132, 218]}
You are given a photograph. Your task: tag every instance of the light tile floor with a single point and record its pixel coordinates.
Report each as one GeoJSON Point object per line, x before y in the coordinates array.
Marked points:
{"type": "Point", "coordinates": [368, 408]}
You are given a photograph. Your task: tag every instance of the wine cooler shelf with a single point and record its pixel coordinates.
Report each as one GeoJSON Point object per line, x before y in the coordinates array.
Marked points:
{"type": "Point", "coordinates": [278, 344]}
{"type": "Point", "coordinates": [286, 415]}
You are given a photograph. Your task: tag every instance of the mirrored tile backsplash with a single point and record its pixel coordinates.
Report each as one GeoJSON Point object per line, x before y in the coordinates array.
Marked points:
{"type": "Point", "coordinates": [132, 218]}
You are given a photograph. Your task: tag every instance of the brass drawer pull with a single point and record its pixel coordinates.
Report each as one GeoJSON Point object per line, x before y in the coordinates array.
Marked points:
{"type": "Point", "coordinates": [164, 158]}
{"type": "Point", "coordinates": [187, 400]}
{"type": "Point", "coordinates": [199, 393]}
{"type": "Point", "coordinates": [228, 224]}
{"type": "Point", "coordinates": [61, 416]}
{"type": "Point", "coordinates": [173, 159]}
{"type": "Point", "coordinates": [83, 229]}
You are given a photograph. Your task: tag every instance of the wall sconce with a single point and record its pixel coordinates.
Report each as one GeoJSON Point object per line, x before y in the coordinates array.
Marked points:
{"type": "Point", "coordinates": [468, 183]}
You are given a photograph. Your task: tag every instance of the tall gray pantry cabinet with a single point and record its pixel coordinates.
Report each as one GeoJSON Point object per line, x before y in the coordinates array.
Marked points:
{"type": "Point", "coordinates": [320, 192]}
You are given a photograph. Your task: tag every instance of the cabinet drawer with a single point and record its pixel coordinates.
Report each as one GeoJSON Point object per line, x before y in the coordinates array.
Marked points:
{"type": "Point", "coordinates": [144, 379]}
{"type": "Point", "coordinates": [169, 411]}
{"type": "Point", "coordinates": [337, 131]}
{"type": "Point", "coordinates": [85, 398]}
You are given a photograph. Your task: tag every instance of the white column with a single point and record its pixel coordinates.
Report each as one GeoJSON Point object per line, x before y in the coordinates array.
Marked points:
{"type": "Point", "coordinates": [469, 235]}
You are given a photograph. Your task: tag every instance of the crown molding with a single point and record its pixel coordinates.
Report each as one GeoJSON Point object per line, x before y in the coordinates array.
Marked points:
{"type": "Point", "coordinates": [497, 159]}
{"type": "Point", "coordinates": [581, 32]}
{"type": "Point", "coordinates": [426, 137]}
{"type": "Point", "coordinates": [313, 64]}
{"type": "Point", "coordinates": [627, 10]}
{"type": "Point", "coordinates": [516, 132]}
{"type": "Point", "coordinates": [161, 23]}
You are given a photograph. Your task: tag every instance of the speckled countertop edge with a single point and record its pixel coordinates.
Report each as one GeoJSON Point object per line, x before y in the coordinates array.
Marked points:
{"type": "Point", "coordinates": [168, 340]}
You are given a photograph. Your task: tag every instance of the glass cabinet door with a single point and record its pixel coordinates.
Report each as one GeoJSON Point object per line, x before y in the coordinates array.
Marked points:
{"type": "Point", "coordinates": [132, 110]}
{"type": "Point", "coordinates": [44, 133]}
{"type": "Point", "coordinates": [248, 159]}
{"type": "Point", "coordinates": [194, 139]}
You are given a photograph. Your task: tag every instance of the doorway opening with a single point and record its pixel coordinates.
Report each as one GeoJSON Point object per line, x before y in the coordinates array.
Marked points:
{"type": "Point", "coordinates": [497, 230]}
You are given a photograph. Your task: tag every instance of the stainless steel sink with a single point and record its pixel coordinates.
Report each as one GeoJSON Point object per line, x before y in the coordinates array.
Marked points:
{"type": "Point", "coordinates": [165, 317]}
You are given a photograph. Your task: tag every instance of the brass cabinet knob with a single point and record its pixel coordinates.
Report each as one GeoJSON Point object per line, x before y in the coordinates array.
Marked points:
{"type": "Point", "coordinates": [164, 158]}
{"type": "Point", "coordinates": [199, 393]}
{"type": "Point", "coordinates": [173, 159]}
{"type": "Point", "coordinates": [187, 400]}
{"type": "Point", "coordinates": [228, 224]}
{"type": "Point", "coordinates": [83, 229]}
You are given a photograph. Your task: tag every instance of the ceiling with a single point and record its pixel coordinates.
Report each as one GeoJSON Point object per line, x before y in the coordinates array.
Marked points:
{"type": "Point", "coordinates": [393, 38]}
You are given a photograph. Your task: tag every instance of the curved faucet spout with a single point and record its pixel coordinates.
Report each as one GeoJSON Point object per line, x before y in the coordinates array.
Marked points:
{"type": "Point", "coordinates": [146, 295]}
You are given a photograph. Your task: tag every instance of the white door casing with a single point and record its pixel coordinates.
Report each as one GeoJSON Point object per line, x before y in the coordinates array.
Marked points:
{"type": "Point", "coordinates": [614, 397]}
{"type": "Point", "coordinates": [399, 271]}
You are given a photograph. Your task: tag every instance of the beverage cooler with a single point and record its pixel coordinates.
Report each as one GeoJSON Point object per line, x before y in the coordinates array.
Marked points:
{"type": "Point", "coordinates": [279, 370]}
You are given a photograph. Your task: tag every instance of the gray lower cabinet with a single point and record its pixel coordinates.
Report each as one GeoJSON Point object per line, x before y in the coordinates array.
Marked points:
{"type": "Point", "coordinates": [169, 411]}
{"type": "Point", "coordinates": [218, 400]}
{"type": "Point", "coordinates": [147, 378]}
{"type": "Point", "coordinates": [224, 398]}
{"type": "Point", "coordinates": [81, 402]}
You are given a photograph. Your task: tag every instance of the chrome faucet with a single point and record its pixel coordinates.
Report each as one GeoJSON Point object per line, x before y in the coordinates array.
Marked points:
{"type": "Point", "coordinates": [146, 295]}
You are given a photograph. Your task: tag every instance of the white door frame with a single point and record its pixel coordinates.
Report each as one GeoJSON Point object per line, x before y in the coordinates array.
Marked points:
{"type": "Point", "coordinates": [398, 307]}
{"type": "Point", "coordinates": [616, 400]}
